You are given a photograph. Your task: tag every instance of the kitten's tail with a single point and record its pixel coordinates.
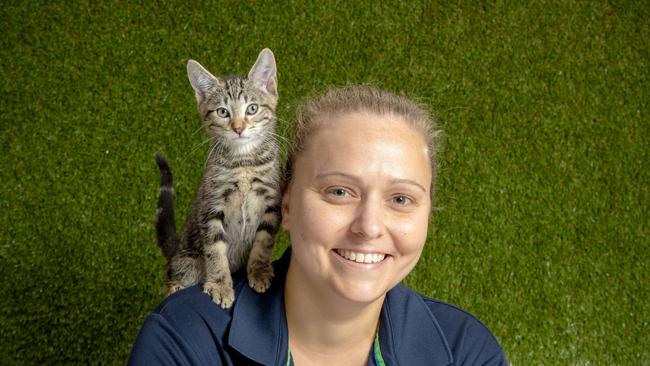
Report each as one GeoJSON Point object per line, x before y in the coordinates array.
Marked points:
{"type": "Point", "coordinates": [165, 224]}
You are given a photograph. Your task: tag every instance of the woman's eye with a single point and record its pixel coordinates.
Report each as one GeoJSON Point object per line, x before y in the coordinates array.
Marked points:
{"type": "Point", "coordinates": [252, 109]}
{"type": "Point", "coordinates": [338, 192]}
{"type": "Point", "coordinates": [402, 200]}
{"type": "Point", "coordinates": [223, 112]}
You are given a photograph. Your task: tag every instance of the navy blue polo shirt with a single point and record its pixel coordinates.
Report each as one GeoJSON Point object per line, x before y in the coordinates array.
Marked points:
{"type": "Point", "coordinates": [187, 328]}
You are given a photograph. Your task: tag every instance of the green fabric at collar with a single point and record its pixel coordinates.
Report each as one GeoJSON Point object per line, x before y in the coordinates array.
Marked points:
{"type": "Point", "coordinates": [379, 360]}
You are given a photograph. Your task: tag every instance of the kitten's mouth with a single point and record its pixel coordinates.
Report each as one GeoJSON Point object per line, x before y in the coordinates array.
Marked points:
{"type": "Point", "coordinates": [242, 139]}
{"type": "Point", "coordinates": [366, 258]}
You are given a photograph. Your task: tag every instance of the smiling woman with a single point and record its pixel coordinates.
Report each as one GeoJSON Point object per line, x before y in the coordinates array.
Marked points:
{"type": "Point", "coordinates": [356, 204]}
{"type": "Point", "coordinates": [356, 197]}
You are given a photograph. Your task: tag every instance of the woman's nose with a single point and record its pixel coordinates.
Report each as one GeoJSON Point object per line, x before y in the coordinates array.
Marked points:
{"type": "Point", "coordinates": [368, 222]}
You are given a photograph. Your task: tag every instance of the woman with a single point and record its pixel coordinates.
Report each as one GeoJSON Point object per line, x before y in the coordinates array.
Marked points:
{"type": "Point", "coordinates": [356, 204]}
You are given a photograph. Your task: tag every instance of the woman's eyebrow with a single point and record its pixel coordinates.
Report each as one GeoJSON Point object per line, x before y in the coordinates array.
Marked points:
{"type": "Point", "coordinates": [335, 174]}
{"type": "Point", "coordinates": [410, 182]}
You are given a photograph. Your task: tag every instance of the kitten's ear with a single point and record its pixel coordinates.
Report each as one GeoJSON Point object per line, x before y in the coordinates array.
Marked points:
{"type": "Point", "coordinates": [263, 72]}
{"type": "Point", "coordinates": [201, 80]}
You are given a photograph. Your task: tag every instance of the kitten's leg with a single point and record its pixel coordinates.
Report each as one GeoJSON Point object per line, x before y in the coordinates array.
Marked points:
{"type": "Point", "coordinates": [259, 268]}
{"type": "Point", "coordinates": [182, 271]}
{"type": "Point", "coordinates": [171, 285]}
{"type": "Point", "coordinates": [218, 281]}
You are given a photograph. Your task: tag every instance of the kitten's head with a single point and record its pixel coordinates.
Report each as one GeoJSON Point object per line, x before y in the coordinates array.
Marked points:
{"type": "Point", "coordinates": [239, 111]}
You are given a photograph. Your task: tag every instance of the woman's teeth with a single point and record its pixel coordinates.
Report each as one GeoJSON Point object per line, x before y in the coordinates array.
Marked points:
{"type": "Point", "coordinates": [361, 257]}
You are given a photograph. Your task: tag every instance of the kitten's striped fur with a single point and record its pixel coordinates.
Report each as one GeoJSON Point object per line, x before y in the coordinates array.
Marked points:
{"type": "Point", "coordinates": [236, 210]}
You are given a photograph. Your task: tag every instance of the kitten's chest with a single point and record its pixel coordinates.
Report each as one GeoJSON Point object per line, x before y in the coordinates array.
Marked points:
{"type": "Point", "coordinates": [244, 207]}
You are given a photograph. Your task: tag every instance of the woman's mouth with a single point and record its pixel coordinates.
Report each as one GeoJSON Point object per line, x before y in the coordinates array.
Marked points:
{"type": "Point", "coordinates": [367, 258]}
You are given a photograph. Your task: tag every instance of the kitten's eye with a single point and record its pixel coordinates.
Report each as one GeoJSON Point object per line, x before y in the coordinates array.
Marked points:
{"type": "Point", "coordinates": [252, 109]}
{"type": "Point", "coordinates": [222, 112]}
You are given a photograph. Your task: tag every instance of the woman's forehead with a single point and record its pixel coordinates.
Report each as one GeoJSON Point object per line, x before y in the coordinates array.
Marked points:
{"type": "Point", "coordinates": [368, 143]}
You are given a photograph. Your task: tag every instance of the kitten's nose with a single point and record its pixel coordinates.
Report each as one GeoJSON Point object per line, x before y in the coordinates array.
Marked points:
{"type": "Point", "coordinates": [238, 125]}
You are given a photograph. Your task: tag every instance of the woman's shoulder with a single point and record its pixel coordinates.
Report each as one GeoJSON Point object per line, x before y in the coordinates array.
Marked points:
{"type": "Point", "coordinates": [451, 316]}
{"type": "Point", "coordinates": [190, 301]}
{"type": "Point", "coordinates": [193, 298]}
{"type": "Point", "coordinates": [465, 338]}
{"type": "Point", "coordinates": [440, 310]}
{"type": "Point", "coordinates": [187, 327]}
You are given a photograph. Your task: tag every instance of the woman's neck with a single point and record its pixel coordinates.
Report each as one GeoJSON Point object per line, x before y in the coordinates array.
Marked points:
{"type": "Point", "coordinates": [325, 329]}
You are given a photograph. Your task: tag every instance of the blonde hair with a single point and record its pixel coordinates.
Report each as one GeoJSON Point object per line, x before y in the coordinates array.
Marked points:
{"type": "Point", "coordinates": [314, 114]}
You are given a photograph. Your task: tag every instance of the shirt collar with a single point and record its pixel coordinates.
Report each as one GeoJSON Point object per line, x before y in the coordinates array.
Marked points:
{"type": "Point", "coordinates": [409, 334]}
{"type": "Point", "coordinates": [259, 325]}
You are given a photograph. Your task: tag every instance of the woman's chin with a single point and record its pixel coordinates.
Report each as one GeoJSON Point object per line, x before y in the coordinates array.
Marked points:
{"type": "Point", "coordinates": [362, 292]}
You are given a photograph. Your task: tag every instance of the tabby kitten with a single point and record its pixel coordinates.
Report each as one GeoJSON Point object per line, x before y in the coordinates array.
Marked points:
{"type": "Point", "coordinates": [236, 210]}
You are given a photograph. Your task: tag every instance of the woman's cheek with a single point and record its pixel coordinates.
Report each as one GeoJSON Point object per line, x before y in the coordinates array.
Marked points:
{"type": "Point", "coordinates": [413, 232]}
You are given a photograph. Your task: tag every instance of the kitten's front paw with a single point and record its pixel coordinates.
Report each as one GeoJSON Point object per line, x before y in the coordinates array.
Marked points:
{"type": "Point", "coordinates": [173, 287]}
{"type": "Point", "coordinates": [259, 278]}
{"type": "Point", "coordinates": [221, 294]}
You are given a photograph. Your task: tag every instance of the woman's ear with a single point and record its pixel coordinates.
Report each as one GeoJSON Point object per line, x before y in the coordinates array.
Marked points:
{"type": "Point", "coordinates": [285, 209]}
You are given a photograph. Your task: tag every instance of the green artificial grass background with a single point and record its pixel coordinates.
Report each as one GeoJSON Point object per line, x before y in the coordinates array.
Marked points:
{"type": "Point", "coordinates": [540, 225]}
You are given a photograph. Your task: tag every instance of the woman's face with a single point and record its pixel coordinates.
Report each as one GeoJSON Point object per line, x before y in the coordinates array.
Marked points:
{"type": "Point", "coordinates": [358, 205]}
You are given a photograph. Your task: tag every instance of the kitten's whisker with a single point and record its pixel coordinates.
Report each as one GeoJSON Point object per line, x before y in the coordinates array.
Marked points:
{"type": "Point", "coordinates": [196, 148]}
{"type": "Point", "coordinates": [197, 130]}
{"type": "Point", "coordinates": [279, 136]}
{"type": "Point", "coordinates": [209, 154]}
{"type": "Point", "coordinates": [459, 107]}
